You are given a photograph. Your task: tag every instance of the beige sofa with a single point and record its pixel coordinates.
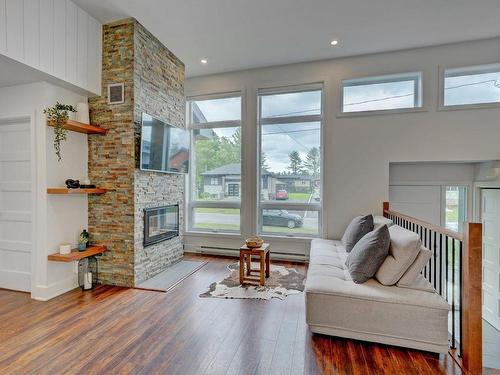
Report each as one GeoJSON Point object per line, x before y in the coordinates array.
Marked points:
{"type": "Point", "coordinates": [414, 316]}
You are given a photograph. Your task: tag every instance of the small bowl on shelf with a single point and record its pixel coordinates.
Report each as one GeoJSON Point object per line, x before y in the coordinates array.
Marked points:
{"type": "Point", "coordinates": [254, 242]}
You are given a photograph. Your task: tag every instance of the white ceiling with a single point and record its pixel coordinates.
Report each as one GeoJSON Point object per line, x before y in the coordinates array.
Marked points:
{"type": "Point", "coordinates": [242, 34]}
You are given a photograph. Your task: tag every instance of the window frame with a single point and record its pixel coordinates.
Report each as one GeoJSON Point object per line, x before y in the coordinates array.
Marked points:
{"type": "Point", "coordinates": [465, 70]}
{"type": "Point", "coordinates": [191, 204]}
{"type": "Point", "coordinates": [293, 206]}
{"type": "Point", "coordinates": [416, 76]}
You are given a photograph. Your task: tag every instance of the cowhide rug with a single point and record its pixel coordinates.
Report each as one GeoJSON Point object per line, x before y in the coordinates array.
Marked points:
{"type": "Point", "coordinates": [282, 281]}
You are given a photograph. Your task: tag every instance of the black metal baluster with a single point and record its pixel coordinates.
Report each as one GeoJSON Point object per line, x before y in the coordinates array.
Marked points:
{"type": "Point", "coordinates": [446, 286]}
{"type": "Point", "coordinates": [429, 246]}
{"type": "Point", "coordinates": [435, 259]}
{"type": "Point", "coordinates": [453, 294]}
{"type": "Point", "coordinates": [440, 264]}
{"type": "Point", "coordinates": [426, 270]}
{"type": "Point", "coordinates": [460, 298]}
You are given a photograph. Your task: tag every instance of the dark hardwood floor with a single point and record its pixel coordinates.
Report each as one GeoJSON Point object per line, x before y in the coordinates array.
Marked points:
{"type": "Point", "coordinates": [115, 330]}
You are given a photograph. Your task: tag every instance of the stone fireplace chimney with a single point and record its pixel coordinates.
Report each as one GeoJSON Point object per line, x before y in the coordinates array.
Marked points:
{"type": "Point", "coordinates": [153, 79]}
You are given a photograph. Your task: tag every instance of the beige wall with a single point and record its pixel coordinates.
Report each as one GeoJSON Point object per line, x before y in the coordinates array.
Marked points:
{"type": "Point", "coordinates": [358, 150]}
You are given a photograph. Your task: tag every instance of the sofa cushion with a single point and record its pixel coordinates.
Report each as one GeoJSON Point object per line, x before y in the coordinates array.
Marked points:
{"type": "Point", "coordinates": [368, 254]}
{"type": "Point", "coordinates": [403, 250]}
{"type": "Point", "coordinates": [378, 221]}
{"type": "Point", "coordinates": [420, 283]}
{"type": "Point", "coordinates": [416, 267]}
{"type": "Point", "coordinates": [357, 228]}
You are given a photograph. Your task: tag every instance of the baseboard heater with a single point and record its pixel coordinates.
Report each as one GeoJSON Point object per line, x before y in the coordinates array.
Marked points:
{"type": "Point", "coordinates": [274, 254]}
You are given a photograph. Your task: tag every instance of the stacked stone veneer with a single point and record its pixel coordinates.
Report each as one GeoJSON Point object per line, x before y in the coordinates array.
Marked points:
{"type": "Point", "coordinates": [154, 83]}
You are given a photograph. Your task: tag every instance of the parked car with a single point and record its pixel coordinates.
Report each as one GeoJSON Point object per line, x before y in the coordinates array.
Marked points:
{"type": "Point", "coordinates": [281, 218]}
{"type": "Point", "coordinates": [281, 195]}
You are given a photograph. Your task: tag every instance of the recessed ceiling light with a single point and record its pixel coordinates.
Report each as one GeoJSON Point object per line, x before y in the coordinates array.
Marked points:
{"type": "Point", "coordinates": [204, 61]}
{"type": "Point", "coordinates": [334, 42]}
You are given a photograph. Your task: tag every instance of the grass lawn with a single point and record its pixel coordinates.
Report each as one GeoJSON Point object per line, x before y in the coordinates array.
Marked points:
{"type": "Point", "coordinates": [217, 226]}
{"type": "Point", "coordinates": [452, 215]}
{"type": "Point", "coordinates": [285, 230]}
{"type": "Point", "coordinates": [299, 196]}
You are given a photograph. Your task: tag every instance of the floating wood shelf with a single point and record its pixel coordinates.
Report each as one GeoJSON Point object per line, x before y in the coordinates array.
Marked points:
{"type": "Point", "coordinates": [75, 191]}
{"type": "Point", "coordinates": [80, 127]}
{"type": "Point", "coordinates": [77, 255]}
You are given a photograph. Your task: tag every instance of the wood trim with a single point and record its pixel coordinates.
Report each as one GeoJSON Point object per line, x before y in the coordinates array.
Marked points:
{"type": "Point", "coordinates": [424, 224]}
{"type": "Point", "coordinates": [77, 255]}
{"type": "Point", "coordinates": [472, 355]}
{"type": "Point", "coordinates": [75, 191]}
{"type": "Point", "coordinates": [80, 127]}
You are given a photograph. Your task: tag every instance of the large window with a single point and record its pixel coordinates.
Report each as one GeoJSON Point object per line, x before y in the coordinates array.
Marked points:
{"type": "Point", "coordinates": [455, 210]}
{"type": "Point", "coordinates": [215, 176]}
{"type": "Point", "coordinates": [290, 161]}
{"type": "Point", "coordinates": [381, 93]}
{"type": "Point", "coordinates": [471, 86]}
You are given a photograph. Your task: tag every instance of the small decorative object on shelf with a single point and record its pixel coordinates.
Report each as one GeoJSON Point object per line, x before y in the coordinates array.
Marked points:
{"type": "Point", "coordinates": [87, 185]}
{"type": "Point", "coordinates": [254, 242]}
{"type": "Point", "coordinates": [83, 240]}
{"type": "Point", "coordinates": [72, 184]}
{"type": "Point", "coordinates": [58, 114]}
{"type": "Point", "coordinates": [87, 273]}
{"type": "Point", "coordinates": [64, 249]}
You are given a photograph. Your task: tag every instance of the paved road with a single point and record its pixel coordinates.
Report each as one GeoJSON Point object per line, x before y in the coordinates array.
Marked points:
{"type": "Point", "coordinates": [209, 218]}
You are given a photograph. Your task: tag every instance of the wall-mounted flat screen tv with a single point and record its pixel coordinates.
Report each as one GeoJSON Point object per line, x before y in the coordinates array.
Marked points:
{"type": "Point", "coordinates": [164, 148]}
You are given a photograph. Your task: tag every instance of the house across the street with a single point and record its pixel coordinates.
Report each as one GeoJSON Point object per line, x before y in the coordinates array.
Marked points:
{"type": "Point", "coordinates": [225, 183]}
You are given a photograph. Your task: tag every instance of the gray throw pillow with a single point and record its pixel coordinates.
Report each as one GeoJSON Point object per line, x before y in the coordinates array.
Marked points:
{"type": "Point", "coordinates": [368, 255]}
{"type": "Point", "coordinates": [357, 228]}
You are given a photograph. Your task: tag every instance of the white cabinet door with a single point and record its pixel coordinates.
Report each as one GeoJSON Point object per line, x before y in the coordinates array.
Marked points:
{"type": "Point", "coordinates": [490, 216]}
{"type": "Point", "coordinates": [16, 213]}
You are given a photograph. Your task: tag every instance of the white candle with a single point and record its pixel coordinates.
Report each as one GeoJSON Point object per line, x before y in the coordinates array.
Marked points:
{"type": "Point", "coordinates": [87, 282]}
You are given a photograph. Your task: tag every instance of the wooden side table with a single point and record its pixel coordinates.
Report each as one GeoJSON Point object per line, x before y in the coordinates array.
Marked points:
{"type": "Point", "coordinates": [246, 270]}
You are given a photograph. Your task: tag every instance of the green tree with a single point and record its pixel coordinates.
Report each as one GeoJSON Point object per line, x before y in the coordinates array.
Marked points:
{"type": "Point", "coordinates": [295, 166]}
{"type": "Point", "coordinates": [312, 162]}
{"type": "Point", "coordinates": [264, 167]}
{"type": "Point", "coordinates": [214, 152]}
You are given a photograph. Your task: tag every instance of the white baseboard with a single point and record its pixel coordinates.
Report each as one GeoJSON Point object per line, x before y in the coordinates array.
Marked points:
{"type": "Point", "coordinates": [236, 253]}
{"type": "Point", "coordinates": [46, 292]}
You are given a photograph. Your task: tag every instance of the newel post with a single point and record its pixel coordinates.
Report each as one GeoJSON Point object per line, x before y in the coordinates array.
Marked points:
{"type": "Point", "coordinates": [472, 340]}
{"type": "Point", "coordinates": [385, 207]}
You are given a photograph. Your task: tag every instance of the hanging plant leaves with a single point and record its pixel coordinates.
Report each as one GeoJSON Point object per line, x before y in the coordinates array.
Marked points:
{"type": "Point", "coordinates": [58, 115]}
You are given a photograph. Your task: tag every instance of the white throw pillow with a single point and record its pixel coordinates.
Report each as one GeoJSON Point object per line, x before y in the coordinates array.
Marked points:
{"type": "Point", "coordinates": [378, 221]}
{"type": "Point", "coordinates": [404, 249]}
{"type": "Point", "coordinates": [416, 267]}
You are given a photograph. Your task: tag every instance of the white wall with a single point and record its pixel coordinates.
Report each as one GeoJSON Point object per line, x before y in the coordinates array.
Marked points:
{"type": "Point", "coordinates": [55, 37]}
{"type": "Point", "coordinates": [358, 149]}
{"type": "Point", "coordinates": [59, 219]}
{"type": "Point", "coordinates": [438, 173]}
{"type": "Point", "coordinates": [417, 189]}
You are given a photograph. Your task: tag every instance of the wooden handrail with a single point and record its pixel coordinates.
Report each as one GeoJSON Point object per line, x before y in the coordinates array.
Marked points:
{"type": "Point", "coordinates": [470, 356]}
{"type": "Point", "coordinates": [435, 228]}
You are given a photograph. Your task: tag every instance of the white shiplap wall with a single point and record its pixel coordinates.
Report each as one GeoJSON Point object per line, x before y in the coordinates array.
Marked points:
{"type": "Point", "coordinates": [55, 37]}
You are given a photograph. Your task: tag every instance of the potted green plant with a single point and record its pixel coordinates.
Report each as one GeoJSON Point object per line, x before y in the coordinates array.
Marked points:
{"type": "Point", "coordinates": [82, 242]}
{"type": "Point", "coordinates": [58, 115]}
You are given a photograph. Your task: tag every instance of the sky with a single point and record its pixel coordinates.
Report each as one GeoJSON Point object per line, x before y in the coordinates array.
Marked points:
{"type": "Point", "coordinates": [277, 141]}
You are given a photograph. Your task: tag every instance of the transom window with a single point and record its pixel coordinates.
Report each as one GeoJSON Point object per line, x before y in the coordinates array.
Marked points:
{"type": "Point", "coordinates": [215, 124]}
{"type": "Point", "coordinates": [290, 161]}
{"type": "Point", "coordinates": [471, 85]}
{"type": "Point", "coordinates": [382, 93]}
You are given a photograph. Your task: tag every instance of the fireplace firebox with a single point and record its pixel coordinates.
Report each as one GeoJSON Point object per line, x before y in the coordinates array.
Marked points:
{"type": "Point", "coordinates": [160, 224]}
